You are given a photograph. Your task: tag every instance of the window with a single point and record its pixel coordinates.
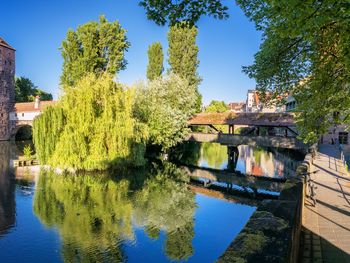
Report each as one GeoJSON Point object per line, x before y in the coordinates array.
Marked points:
{"type": "Point", "coordinates": [343, 137]}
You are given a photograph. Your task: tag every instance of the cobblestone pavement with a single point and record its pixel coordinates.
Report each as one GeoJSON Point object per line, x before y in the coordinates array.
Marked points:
{"type": "Point", "coordinates": [326, 227]}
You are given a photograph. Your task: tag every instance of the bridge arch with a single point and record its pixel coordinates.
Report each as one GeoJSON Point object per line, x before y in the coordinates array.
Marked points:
{"type": "Point", "coordinates": [22, 132]}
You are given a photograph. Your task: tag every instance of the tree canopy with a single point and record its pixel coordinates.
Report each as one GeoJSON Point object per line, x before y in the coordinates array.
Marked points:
{"type": "Point", "coordinates": [174, 11]}
{"type": "Point", "coordinates": [164, 105]}
{"type": "Point", "coordinates": [155, 61]}
{"type": "Point", "coordinates": [183, 56]}
{"type": "Point", "coordinates": [94, 134]}
{"type": "Point", "coordinates": [306, 53]}
{"type": "Point", "coordinates": [216, 106]}
{"type": "Point", "coordinates": [26, 91]}
{"type": "Point", "coordinates": [95, 47]}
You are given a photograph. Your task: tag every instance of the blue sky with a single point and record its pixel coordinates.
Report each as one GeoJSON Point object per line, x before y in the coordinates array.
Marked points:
{"type": "Point", "coordinates": [36, 29]}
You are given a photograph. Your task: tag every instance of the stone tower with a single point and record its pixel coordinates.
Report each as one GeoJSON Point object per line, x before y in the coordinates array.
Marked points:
{"type": "Point", "coordinates": [7, 87]}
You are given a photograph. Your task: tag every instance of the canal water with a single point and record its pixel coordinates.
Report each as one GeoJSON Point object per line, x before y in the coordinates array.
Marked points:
{"type": "Point", "coordinates": [249, 160]}
{"type": "Point", "coordinates": [148, 215]}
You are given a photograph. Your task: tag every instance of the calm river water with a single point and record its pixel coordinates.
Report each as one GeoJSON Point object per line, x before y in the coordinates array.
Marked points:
{"type": "Point", "coordinates": [151, 215]}
{"type": "Point", "coordinates": [257, 161]}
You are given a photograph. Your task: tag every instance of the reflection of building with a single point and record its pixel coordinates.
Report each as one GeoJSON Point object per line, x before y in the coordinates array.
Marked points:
{"type": "Point", "coordinates": [267, 162]}
{"type": "Point", "coordinates": [7, 190]}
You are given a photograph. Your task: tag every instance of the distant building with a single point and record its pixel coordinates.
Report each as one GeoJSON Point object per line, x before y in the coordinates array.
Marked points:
{"type": "Point", "coordinates": [237, 106]}
{"type": "Point", "coordinates": [254, 104]}
{"type": "Point", "coordinates": [290, 104]}
{"type": "Point", "coordinates": [27, 111]}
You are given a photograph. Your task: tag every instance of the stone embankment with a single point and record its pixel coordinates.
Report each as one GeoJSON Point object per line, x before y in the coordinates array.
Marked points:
{"type": "Point", "coordinates": [272, 234]}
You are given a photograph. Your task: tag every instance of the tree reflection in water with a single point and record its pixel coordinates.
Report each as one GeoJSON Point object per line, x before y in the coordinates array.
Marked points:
{"type": "Point", "coordinates": [94, 214]}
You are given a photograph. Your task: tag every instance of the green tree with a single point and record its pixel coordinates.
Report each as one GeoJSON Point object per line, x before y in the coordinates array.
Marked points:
{"type": "Point", "coordinates": [94, 134]}
{"type": "Point", "coordinates": [165, 105]}
{"type": "Point", "coordinates": [183, 55]}
{"type": "Point", "coordinates": [306, 52]}
{"type": "Point", "coordinates": [174, 11]}
{"type": "Point", "coordinates": [95, 47]}
{"type": "Point", "coordinates": [155, 61]}
{"type": "Point", "coordinates": [26, 91]}
{"type": "Point", "coordinates": [216, 106]}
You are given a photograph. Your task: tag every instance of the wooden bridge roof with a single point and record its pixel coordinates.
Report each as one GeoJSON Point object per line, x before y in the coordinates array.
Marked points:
{"type": "Point", "coordinates": [253, 119]}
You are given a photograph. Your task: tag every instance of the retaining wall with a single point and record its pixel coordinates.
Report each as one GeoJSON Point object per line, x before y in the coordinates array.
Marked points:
{"type": "Point", "coordinates": [272, 234]}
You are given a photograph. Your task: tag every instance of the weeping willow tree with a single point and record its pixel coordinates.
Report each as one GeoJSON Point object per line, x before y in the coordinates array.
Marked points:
{"type": "Point", "coordinates": [91, 128]}
{"type": "Point", "coordinates": [47, 129]}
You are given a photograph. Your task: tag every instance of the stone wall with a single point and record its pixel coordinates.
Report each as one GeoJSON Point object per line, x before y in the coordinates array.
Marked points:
{"type": "Point", "coordinates": [7, 89]}
{"type": "Point", "coordinates": [272, 234]}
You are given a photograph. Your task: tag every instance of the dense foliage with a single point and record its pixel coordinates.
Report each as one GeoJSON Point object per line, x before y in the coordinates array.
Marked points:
{"type": "Point", "coordinates": [216, 106]}
{"type": "Point", "coordinates": [95, 47]}
{"type": "Point", "coordinates": [174, 11]}
{"type": "Point", "coordinates": [26, 91]}
{"type": "Point", "coordinates": [155, 61]}
{"type": "Point", "coordinates": [306, 52]}
{"type": "Point", "coordinates": [183, 56]}
{"type": "Point", "coordinates": [164, 105]}
{"type": "Point", "coordinates": [96, 133]}
{"type": "Point", "coordinates": [86, 208]}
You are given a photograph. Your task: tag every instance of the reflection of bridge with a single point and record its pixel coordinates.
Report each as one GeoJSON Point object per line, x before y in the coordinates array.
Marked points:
{"type": "Point", "coordinates": [279, 128]}
{"type": "Point", "coordinates": [219, 176]}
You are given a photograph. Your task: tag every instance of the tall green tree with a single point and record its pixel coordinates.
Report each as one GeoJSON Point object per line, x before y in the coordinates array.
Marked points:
{"type": "Point", "coordinates": [183, 56]}
{"type": "Point", "coordinates": [175, 11]}
{"type": "Point", "coordinates": [155, 61]}
{"type": "Point", "coordinates": [95, 47]}
{"type": "Point", "coordinates": [26, 91]}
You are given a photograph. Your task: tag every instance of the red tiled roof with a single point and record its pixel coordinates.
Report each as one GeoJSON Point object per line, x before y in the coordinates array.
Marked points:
{"type": "Point", "coordinates": [29, 106]}
{"type": "Point", "coordinates": [5, 44]}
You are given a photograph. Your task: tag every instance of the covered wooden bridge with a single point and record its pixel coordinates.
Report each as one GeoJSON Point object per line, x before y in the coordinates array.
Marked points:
{"type": "Point", "coordinates": [257, 129]}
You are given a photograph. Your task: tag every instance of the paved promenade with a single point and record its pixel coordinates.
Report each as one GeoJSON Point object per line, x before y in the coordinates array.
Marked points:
{"type": "Point", "coordinates": [326, 227]}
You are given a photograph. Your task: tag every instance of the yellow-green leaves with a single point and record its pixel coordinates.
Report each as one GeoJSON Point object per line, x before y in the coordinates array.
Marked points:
{"type": "Point", "coordinates": [96, 128]}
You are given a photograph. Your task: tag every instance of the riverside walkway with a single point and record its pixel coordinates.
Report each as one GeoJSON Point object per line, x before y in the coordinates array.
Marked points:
{"type": "Point", "coordinates": [326, 227]}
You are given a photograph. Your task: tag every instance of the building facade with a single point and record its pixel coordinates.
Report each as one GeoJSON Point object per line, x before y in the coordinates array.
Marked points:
{"type": "Point", "coordinates": [255, 104]}
{"type": "Point", "coordinates": [7, 87]}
